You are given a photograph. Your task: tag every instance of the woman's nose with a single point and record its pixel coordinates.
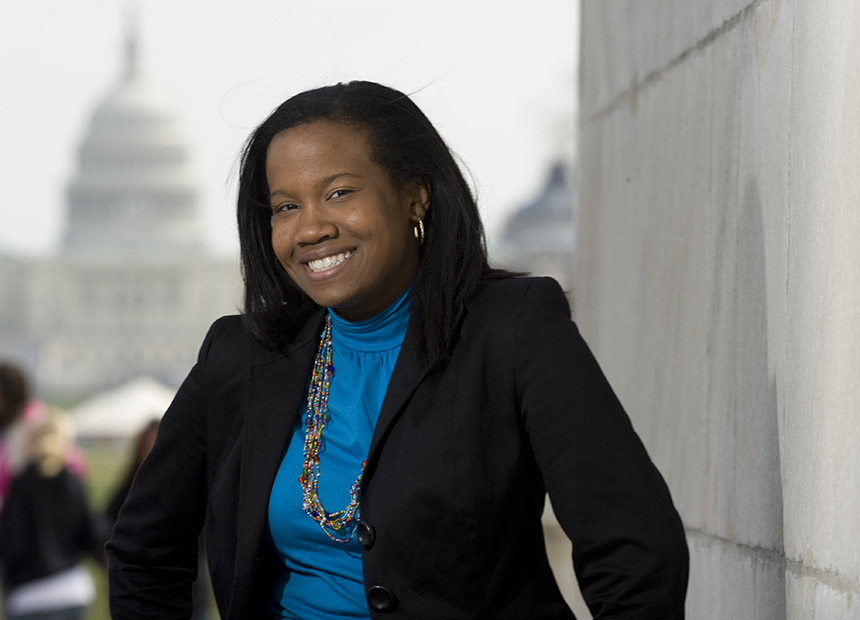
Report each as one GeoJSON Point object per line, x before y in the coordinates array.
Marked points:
{"type": "Point", "coordinates": [314, 226]}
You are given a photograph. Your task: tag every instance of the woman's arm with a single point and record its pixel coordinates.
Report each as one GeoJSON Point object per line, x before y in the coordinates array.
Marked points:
{"type": "Point", "coordinates": [153, 551]}
{"type": "Point", "coordinates": [629, 548]}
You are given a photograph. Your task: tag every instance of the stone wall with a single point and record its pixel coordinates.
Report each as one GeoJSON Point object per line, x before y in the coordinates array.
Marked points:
{"type": "Point", "coordinates": [718, 281]}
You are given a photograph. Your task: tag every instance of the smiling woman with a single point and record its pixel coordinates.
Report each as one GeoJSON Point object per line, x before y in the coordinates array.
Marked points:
{"type": "Point", "coordinates": [341, 228]}
{"type": "Point", "coordinates": [376, 435]}
{"type": "Point", "coordinates": [397, 148]}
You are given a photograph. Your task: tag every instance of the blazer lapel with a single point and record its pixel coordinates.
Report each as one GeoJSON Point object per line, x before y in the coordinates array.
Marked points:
{"type": "Point", "coordinates": [276, 389]}
{"type": "Point", "coordinates": [407, 375]}
{"type": "Point", "coordinates": [409, 371]}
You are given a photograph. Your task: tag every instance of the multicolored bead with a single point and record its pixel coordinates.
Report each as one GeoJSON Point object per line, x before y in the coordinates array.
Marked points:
{"type": "Point", "coordinates": [317, 417]}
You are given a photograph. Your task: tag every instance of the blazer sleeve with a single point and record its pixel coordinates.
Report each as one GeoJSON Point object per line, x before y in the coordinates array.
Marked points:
{"type": "Point", "coordinates": [629, 549]}
{"type": "Point", "coordinates": [153, 551]}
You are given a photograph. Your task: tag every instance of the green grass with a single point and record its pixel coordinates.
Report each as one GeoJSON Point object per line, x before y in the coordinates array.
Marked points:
{"type": "Point", "coordinates": [107, 463]}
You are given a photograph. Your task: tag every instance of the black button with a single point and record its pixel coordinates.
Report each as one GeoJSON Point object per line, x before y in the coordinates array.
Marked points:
{"type": "Point", "coordinates": [365, 533]}
{"type": "Point", "coordinates": [381, 598]}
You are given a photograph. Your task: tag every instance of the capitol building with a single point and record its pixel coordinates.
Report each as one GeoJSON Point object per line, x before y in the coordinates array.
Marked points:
{"type": "Point", "coordinates": [132, 290]}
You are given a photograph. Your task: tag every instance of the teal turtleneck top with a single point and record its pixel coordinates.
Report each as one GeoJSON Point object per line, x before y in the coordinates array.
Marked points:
{"type": "Point", "coordinates": [321, 578]}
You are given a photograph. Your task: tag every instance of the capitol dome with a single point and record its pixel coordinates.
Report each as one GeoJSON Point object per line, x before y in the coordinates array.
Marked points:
{"type": "Point", "coordinates": [545, 224]}
{"type": "Point", "coordinates": [539, 237]}
{"type": "Point", "coordinates": [133, 191]}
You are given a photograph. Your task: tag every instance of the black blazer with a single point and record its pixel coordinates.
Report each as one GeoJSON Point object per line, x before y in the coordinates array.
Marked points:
{"type": "Point", "coordinates": [457, 471]}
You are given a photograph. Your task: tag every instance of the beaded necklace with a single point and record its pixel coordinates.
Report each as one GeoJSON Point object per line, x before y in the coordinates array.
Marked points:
{"type": "Point", "coordinates": [332, 523]}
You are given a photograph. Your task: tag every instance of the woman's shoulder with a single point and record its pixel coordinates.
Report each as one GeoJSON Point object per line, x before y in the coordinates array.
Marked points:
{"type": "Point", "coordinates": [232, 337]}
{"type": "Point", "coordinates": [229, 325]}
{"type": "Point", "coordinates": [505, 311]}
{"type": "Point", "coordinates": [233, 331]}
{"type": "Point", "coordinates": [500, 304]}
{"type": "Point", "coordinates": [505, 292]}
{"type": "Point", "coordinates": [228, 342]}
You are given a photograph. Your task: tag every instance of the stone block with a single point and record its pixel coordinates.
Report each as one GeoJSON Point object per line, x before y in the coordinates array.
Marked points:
{"type": "Point", "coordinates": [811, 597]}
{"type": "Point", "coordinates": [604, 50]}
{"type": "Point", "coordinates": [821, 463]}
{"type": "Point", "coordinates": [727, 581]}
{"type": "Point", "coordinates": [625, 42]}
{"type": "Point", "coordinates": [763, 44]}
{"type": "Point", "coordinates": [652, 269]}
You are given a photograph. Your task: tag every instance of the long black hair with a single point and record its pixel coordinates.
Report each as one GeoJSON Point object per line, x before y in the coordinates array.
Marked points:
{"type": "Point", "coordinates": [404, 142]}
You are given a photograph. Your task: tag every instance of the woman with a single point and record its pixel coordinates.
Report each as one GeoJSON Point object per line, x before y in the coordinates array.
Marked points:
{"type": "Point", "coordinates": [142, 444]}
{"type": "Point", "coordinates": [45, 530]}
{"type": "Point", "coordinates": [375, 436]}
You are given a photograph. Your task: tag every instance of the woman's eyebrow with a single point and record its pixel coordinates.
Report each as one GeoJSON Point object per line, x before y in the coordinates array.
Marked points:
{"type": "Point", "coordinates": [325, 181]}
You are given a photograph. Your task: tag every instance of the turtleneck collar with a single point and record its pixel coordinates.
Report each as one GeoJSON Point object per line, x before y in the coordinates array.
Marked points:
{"type": "Point", "coordinates": [378, 333]}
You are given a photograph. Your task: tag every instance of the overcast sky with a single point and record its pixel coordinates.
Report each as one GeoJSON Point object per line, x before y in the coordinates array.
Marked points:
{"type": "Point", "coordinates": [497, 78]}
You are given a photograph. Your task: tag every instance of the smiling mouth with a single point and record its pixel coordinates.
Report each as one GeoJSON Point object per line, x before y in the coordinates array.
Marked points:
{"type": "Point", "coordinates": [327, 262]}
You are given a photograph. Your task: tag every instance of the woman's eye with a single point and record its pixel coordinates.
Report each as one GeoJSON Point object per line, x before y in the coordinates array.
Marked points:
{"type": "Point", "coordinates": [339, 193]}
{"type": "Point", "coordinates": [287, 206]}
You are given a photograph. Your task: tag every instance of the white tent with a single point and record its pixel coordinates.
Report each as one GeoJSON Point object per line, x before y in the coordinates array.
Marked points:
{"type": "Point", "coordinates": [122, 411]}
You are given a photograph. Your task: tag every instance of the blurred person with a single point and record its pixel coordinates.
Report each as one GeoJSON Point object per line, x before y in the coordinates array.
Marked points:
{"type": "Point", "coordinates": [19, 413]}
{"type": "Point", "coordinates": [141, 445]}
{"type": "Point", "coordinates": [46, 529]}
{"type": "Point", "coordinates": [376, 435]}
{"type": "Point", "coordinates": [14, 400]}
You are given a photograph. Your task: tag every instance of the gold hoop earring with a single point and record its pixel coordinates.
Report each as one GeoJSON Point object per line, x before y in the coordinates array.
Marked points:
{"type": "Point", "coordinates": [418, 231]}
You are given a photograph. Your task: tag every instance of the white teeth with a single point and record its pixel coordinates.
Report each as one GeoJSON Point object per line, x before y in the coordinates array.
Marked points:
{"type": "Point", "coordinates": [327, 262]}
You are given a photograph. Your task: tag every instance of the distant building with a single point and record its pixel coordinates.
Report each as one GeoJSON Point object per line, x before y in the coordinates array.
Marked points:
{"type": "Point", "coordinates": [133, 193]}
{"type": "Point", "coordinates": [539, 237]}
{"type": "Point", "coordinates": [131, 291]}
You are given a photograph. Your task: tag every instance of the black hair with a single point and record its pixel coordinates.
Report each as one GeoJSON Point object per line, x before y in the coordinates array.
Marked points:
{"type": "Point", "coordinates": [14, 393]}
{"type": "Point", "coordinates": [404, 142]}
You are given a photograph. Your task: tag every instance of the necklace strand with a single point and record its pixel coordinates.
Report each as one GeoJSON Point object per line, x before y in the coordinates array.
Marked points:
{"type": "Point", "coordinates": [340, 525]}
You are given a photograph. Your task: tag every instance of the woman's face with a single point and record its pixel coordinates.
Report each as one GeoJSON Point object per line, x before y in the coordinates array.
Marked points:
{"type": "Point", "coordinates": [340, 227]}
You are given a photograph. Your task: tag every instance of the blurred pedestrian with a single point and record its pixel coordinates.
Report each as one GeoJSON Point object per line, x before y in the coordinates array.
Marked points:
{"type": "Point", "coordinates": [19, 414]}
{"type": "Point", "coordinates": [141, 445]}
{"type": "Point", "coordinates": [45, 530]}
{"type": "Point", "coordinates": [14, 397]}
